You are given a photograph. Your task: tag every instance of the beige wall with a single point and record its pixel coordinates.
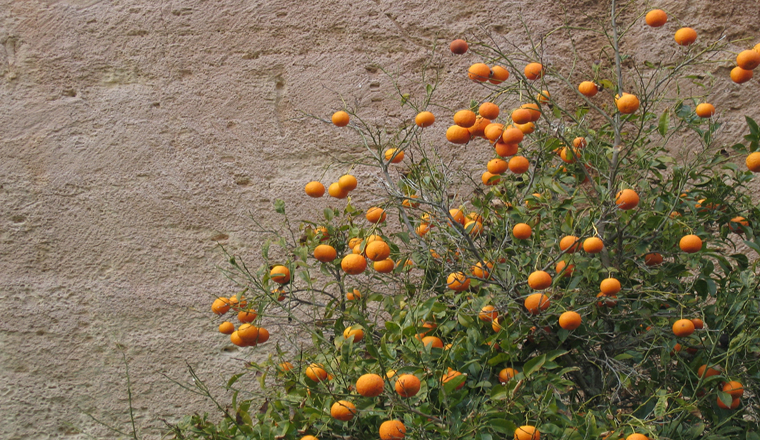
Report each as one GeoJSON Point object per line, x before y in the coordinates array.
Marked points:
{"type": "Point", "coordinates": [135, 133]}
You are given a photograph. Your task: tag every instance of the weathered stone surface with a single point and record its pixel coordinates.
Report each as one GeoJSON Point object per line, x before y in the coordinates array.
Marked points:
{"type": "Point", "coordinates": [136, 134]}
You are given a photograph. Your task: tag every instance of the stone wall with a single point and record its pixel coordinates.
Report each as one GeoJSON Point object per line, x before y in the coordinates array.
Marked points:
{"type": "Point", "coordinates": [137, 134]}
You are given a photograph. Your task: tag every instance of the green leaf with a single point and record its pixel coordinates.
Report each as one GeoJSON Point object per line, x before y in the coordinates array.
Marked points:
{"type": "Point", "coordinates": [661, 406]}
{"type": "Point", "coordinates": [329, 214]}
{"type": "Point", "coordinates": [451, 385]}
{"type": "Point", "coordinates": [662, 126]}
{"type": "Point", "coordinates": [725, 398]}
{"type": "Point", "coordinates": [533, 365]}
{"type": "Point", "coordinates": [502, 426]}
{"type": "Point", "coordinates": [279, 206]}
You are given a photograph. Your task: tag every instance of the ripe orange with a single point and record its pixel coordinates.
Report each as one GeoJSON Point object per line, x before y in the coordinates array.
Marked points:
{"type": "Point", "coordinates": [246, 316]}
{"type": "Point", "coordinates": [325, 253]}
{"type": "Point", "coordinates": [734, 388]}
{"type": "Point", "coordinates": [685, 36]}
{"type": "Point", "coordinates": [698, 323]}
{"type": "Point", "coordinates": [479, 72]}
{"type": "Point", "coordinates": [656, 18]}
{"type": "Point", "coordinates": [522, 231]}
{"type": "Point", "coordinates": [527, 432]}
{"type": "Point", "coordinates": [316, 373]}
{"type": "Point", "coordinates": [263, 335]}
{"type": "Point", "coordinates": [637, 437]}
{"type": "Point", "coordinates": [309, 437]}
{"type": "Point", "coordinates": [389, 155]}
{"type": "Point", "coordinates": [734, 404]}
{"type": "Point", "coordinates": [568, 155]}
{"type": "Point", "coordinates": [507, 374]}
{"type": "Point", "coordinates": [535, 111]}
{"type": "Point", "coordinates": [336, 191]}
{"type": "Point", "coordinates": [481, 271]}
{"type": "Point", "coordinates": [526, 128]}
{"type": "Point", "coordinates": [610, 286]}
{"type": "Point", "coordinates": [569, 244]}
{"type": "Point", "coordinates": [521, 116]}
{"type": "Point", "coordinates": [479, 128]}
{"type": "Point", "coordinates": [458, 135]}
{"type": "Point", "coordinates": [473, 227]}
{"type": "Point", "coordinates": [570, 320]}
{"type": "Point", "coordinates": [488, 314]}
{"type": "Point", "coordinates": [450, 375]}
{"type": "Point", "coordinates": [237, 340]}
{"type": "Point", "coordinates": [433, 341]}
{"type": "Point", "coordinates": [543, 97]}
{"type": "Point", "coordinates": [753, 162]}
{"type": "Point", "coordinates": [504, 149]}
{"type": "Point", "coordinates": [497, 166]}
{"type": "Point", "coordinates": [409, 201]}
{"type": "Point", "coordinates": [562, 269]}
{"type": "Point", "coordinates": [315, 189]}
{"type": "Point", "coordinates": [226, 328]}
{"type": "Point", "coordinates": [512, 135]}
{"type": "Point", "coordinates": [465, 118]}
{"type": "Point", "coordinates": [498, 75]}
{"type": "Point", "coordinates": [627, 199]}
{"type": "Point", "coordinates": [706, 110]}
{"type": "Point", "coordinates": [280, 274]}
{"type": "Point", "coordinates": [579, 142]}
{"type": "Point", "coordinates": [343, 410]}
{"type": "Point", "coordinates": [384, 266]}
{"type": "Point", "coordinates": [706, 372]}
{"type": "Point", "coordinates": [458, 281]}
{"type": "Point", "coordinates": [489, 179]}
{"type": "Point", "coordinates": [340, 118]}
{"type": "Point", "coordinates": [221, 305]}
{"type": "Point", "coordinates": [392, 430]}
{"type": "Point", "coordinates": [627, 103]}
{"type": "Point", "coordinates": [353, 264]}
{"type": "Point", "coordinates": [407, 385]}
{"type": "Point", "coordinates": [534, 71]}
{"type": "Point", "coordinates": [653, 259]}
{"type": "Point", "coordinates": [424, 119]}
{"type": "Point", "coordinates": [375, 215]}
{"type": "Point", "coordinates": [539, 280]}
{"type": "Point", "coordinates": [690, 244]}
{"type": "Point", "coordinates": [286, 366]}
{"type": "Point", "coordinates": [352, 295]}
{"type": "Point", "coordinates": [422, 229]}
{"type": "Point", "coordinates": [606, 300]}
{"type": "Point", "coordinates": [736, 223]}
{"type": "Point", "coordinates": [353, 333]}
{"type": "Point", "coordinates": [370, 385]}
{"type": "Point", "coordinates": [593, 245]}
{"type": "Point", "coordinates": [457, 215]}
{"type": "Point", "coordinates": [458, 46]}
{"type": "Point", "coordinates": [248, 333]}
{"type": "Point", "coordinates": [740, 76]}
{"type": "Point", "coordinates": [518, 164]}
{"type": "Point", "coordinates": [493, 131]}
{"type": "Point", "coordinates": [748, 59]}
{"type": "Point", "coordinates": [347, 182]}
{"type": "Point", "coordinates": [537, 302]}
{"type": "Point", "coordinates": [354, 241]}
{"type": "Point", "coordinates": [488, 110]}
{"type": "Point", "coordinates": [683, 328]}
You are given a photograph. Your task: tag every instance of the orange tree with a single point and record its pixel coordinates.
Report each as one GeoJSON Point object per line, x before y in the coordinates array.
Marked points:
{"type": "Point", "coordinates": [597, 280]}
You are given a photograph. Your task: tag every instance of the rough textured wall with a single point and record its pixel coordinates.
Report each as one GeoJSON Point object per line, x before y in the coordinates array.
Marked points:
{"type": "Point", "coordinates": [136, 134]}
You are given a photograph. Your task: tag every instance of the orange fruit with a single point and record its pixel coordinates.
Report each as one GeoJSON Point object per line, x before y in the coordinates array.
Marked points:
{"type": "Point", "coordinates": [533, 109]}
{"type": "Point", "coordinates": [392, 430]}
{"type": "Point", "coordinates": [488, 110]}
{"type": "Point", "coordinates": [653, 259]}
{"type": "Point", "coordinates": [521, 116]}
{"type": "Point", "coordinates": [488, 314]}
{"type": "Point", "coordinates": [507, 374]}
{"type": "Point", "coordinates": [518, 164]}
{"type": "Point", "coordinates": [690, 244]}
{"type": "Point", "coordinates": [473, 227]}
{"type": "Point", "coordinates": [563, 269]}
{"type": "Point", "coordinates": [309, 437]}
{"type": "Point", "coordinates": [698, 323]}
{"type": "Point", "coordinates": [457, 215]}
{"type": "Point", "coordinates": [343, 410]}
{"type": "Point", "coordinates": [543, 97]}
{"type": "Point", "coordinates": [606, 300]}
{"type": "Point", "coordinates": [740, 76]}
{"type": "Point", "coordinates": [479, 270]}
{"type": "Point", "coordinates": [353, 264]}
{"type": "Point", "coordinates": [347, 182]}
{"type": "Point", "coordinates": [753, 162]}
{"type": "Point", "coordinates": [637, 437]}
{"type": "Point", "coordinates": [409, 201]}
{"type": "Point", "coordinates": [527, 432]}
{"type": "Point", "coordinates": [588, 88]}
{"type": "Point", "coordinates": [325, 253]}
{"type": "Point", "coordinates": [497, 166]}
{"type": "Point", "coordinates": [321, 230]}
{"type": "Point", "coordinates": [734, 404]}
{"type": "Point", "coordinates": [593, 245]}
{"type": "Point", "coordinates": [748, 59]}
{"type": "Point", "coordinates": [522, 231]}
{"type": "Point", "coordinates": [579, 142]}
{"type": "Point", "coordinates": [685, 36]}
{"type": "Point", "coordinates": [355, 334]}
{"type": "Point", "coordinates": [479, 128]}
{"type": "Point", "coordinates": [433, 341]}
{"type": "Point", "coordinates": [375, 215]}
{"type": "Point", "coordinates": [422, 229]}
{"type": "Point", "coordinates": [526, 128]}
{"type": "Point", "coordinates": [512, 135]}
{"type": "Point", "coordinates": [424, 119]}
{"type": "Point", "coordinates": [627, 199]}
{"type": "Point", "coordinates": [316, 373]}
{"type": "Point", "coordinates": [570, 320]}
{"type": "Point", "coordinates": [706, 110]}
{"type": "Point", "coordinates": [627, 103]}
{"type": "Point", "coordinates": [286, 366]}
{"type": "Point", "coordinates": [389, 155]}
{"type": "Point", "coordinates": [407, 385]}
{"type": "Point", "coordinates": [352, 243]}
{"type": "Point", "coordinates": [465, 118]}
{"type": "Point", "coordinates": [537, 302]}
{"type": "Point", "coordinates": [315, 189]}
{"type": "Point", "coordinates": [458, 46]}
{"type": "Point", "coordinates": [656, 18]}
{"type": "Point", "coordinates": [479, 72]}
{"type": "Point", "coordinates": [736, 223]}
{"type": "Point", "coordinates": [237, 303]}
{"type": "Point", "coordinates": [569, 244]}
{"type": "Point", "coordinates": [458, 135]}
{"type": "Point", "coordinates": [280, 274]}
{"type": "Point", "coordinates": [683, 328]}
{"type": "Point", "coordinates": [534, 71]}
{"type": "Point", "coordinates": [458, 281]}
{"type": "Point", "coordinates": [246, 316]}
{"type": "Point", "coordinates": [493, 131]}
{"type": "Point", "coordinates": [226, 328]}
{"type": "Point", "coordinates": [610, 286]}
{"type": "Point", "coordinates": [489, 179]}
{"type": "Point", "coordinates": [220, 306]}
{"type": "Point", "coordinates": [568, 155]}
{"type": "Point", "coordinates": [248, 333]}
{"type": "Point", "coordinates": [384, 266]}
{"type": "Point", "coordinates": [450, 375]}
{"type": "Point", "coordinates": [734, 388]}
{"type": "Point", "coordinates": [340, 118]}
{"type": "Point", "coordinates": [504, 149]}
{"type": "Point", "coordinates": [370, 385]}
{"type": "Point", "coordinates": [706, 372]}
{"type": "Point", "coordinates": [474, 216]}
{"type": "Point", "coordinates": [539, 280]}
{"type": "Point", "coordinates": [336, 191]}
{"type": "Point", "coordinates": [498, 75]}
{"type": "Point", "coordinates": [237, 340]}
{"type": "Point", "coordinates": [263, 335]}
{"type": "Point", "coordinates": [352, 295]}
